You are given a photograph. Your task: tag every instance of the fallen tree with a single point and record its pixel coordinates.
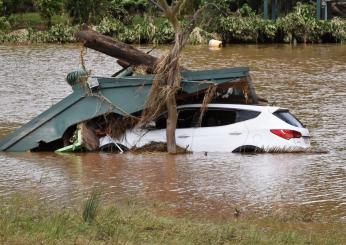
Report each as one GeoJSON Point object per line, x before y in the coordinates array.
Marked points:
{"type": "Point", "coordinates": [127, 54]}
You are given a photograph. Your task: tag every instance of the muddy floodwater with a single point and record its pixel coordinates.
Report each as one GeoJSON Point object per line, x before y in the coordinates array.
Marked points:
{"type": "Point", "coordinates": [309, 80]}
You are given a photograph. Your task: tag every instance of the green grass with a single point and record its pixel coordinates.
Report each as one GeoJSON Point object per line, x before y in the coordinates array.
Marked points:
{"type": "Point", "coordinates": [33, 20]}
{"type": "Point", "coordinates": [28, 221]}
{"type": "Point", "coordinates": [90, 207]}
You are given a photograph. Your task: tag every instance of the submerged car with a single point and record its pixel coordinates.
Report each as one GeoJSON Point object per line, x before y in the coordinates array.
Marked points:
{"type": "Point", "coordinates": [226, 128]}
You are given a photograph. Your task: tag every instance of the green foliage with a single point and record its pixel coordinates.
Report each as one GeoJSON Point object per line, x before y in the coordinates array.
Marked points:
{"type": "Point", "coordinates": [141, 30]}
{"type": "Point", "coordinates": [132, 21]}
{"type": "Point", "coordinates": [34, 20]}
{"type": "Point", "coordinates": [90, 207]}
{"type": "Point", "coordinates": [4, 24]}
{"type": "Point", "coordinates": [299, 24]}
{"type": "Point", "coordinates": [246, 11]}
{"type": "Point", "coordinates": [164, 32]}
{"type": "Point", "coordinates": [116, 10]}
{"type": "Point", "coordinates": [86, 11]}
{"type": "Point", "coordinates": [139, 33]}
{"type": "Point", "coordinates": [199, 36]}
{"type": "Point", "coordinates": [302, 25]}
{"type": "Point", "coordinates": [223, 5]}
{"type": "Point", "coordinates": [134, 5]}
{"type": "Point", "coordinates": [19, 36]}
{"type": "Point", "coordinates": [48, 8]}
{"type": "Point", "coordinates": [111, 27]}
{"type": "Point", "coordinates": [57, 34]}
{"type": "Point", "coordinates": [267, 30]}
{"type": "Point", "coordinates": [61, 34]}
{"type": "Point", "coordinates": [236, 29]}
{"type": "Point", "coordinates": [337, 28]}
{"type": "Point", "coordinates": [16, 6]}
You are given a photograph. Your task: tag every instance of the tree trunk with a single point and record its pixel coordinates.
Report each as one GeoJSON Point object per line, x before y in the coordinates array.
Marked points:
{"type": "Point", "coordinates": [49, 22]}
{"type": "Point", "coordinates": [171, 124]}
{"type": "Point", "coordinates": [124, 52]}
{"type": "Point", "coordinates": [172, 77]}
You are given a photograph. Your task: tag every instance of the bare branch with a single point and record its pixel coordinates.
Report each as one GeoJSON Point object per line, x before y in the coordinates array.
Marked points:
{"type": "Point", "coordinates": [177, 7]}
{"type": "Point", "coordinates": [166, 8]}
{"type": "Point", "coordinates": [157, 5]}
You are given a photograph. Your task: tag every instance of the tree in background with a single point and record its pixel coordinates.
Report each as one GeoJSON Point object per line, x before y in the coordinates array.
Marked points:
{"type": "Point", "coordinates": [49, 8]}
{"type": "Point", "coordinates": [17, 6]}
{"type": "Point", "coordinates": [86, 11]}
{"type": "Point", "coordinates": [133, 6]}
{"type": "Point", "coordinates": [1, 9]}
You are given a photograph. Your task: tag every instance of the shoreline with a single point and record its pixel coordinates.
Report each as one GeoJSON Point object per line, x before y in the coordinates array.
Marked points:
{"type": "Point", "coordinates": [26, 220]}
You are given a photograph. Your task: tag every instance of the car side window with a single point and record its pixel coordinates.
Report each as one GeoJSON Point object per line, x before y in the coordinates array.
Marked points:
{"type": "Point", "coordinates": [244, 115]}
{"type": "Point", "coordinates": [187, 118]}
{"type": "Point", "coordinates": [215, 118]}
{"type": "Point", "coordinates": [161, 122]}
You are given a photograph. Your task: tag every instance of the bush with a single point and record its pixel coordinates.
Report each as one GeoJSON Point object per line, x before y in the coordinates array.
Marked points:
{"type": "Point", "coordinates": [145, 32]}
{"type": "Point", "coordinates": [116, 10]}
{"type": "Point", "coordinates": [301, 24]}
{"type": "Point", "coordinates": [4, 24]}
{"type": "Point", "coordinates": [199, 36]}
{"type": "Point", "coordinates": [239, 29]}
{"type": "Point", "coordinates": [49, 8]}
{"type": "Point", "coordinates": [86, 11]}
{"type": "Point", "coordinates": [138, 33]}
{"type": "Point", "coordinates": [267, 30]}
{"type": "Point", "coordinates": [135, 5]}
{"type": "Point", "coordinates": [338, 29]}
{"type": "Point", "coordinates": [164, 32]}
{"type": "Point", "coordinates": [57, 34]}
{"type": "Point", "coordinates": [61, 34]}
{"type": "Point", "coordinates": [18, 36]}
{"type": "Point", "coordinates": [110, 27]}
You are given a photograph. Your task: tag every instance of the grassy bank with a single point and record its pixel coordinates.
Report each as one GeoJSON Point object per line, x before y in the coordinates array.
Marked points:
{"type": "Point", "coordinates": [26, 221]}
{"type": "Point", "coordinates": [299, 26]}
{"type": "Point", "coordinates": [34, 20]}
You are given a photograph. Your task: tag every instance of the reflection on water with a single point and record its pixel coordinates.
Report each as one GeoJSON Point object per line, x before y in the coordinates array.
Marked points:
{"type": "Point", "coordinates": [310, 80]}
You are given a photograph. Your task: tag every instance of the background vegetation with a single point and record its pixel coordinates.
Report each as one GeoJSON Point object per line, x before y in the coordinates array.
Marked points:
{"type": "Point", "coordinates": [139, 21]}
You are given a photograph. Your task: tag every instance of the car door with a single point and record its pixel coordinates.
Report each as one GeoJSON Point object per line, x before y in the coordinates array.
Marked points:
{"type": "Point", "coordinates": [183, 133]}
{"type": "Point", "coordinates": [219, 132]}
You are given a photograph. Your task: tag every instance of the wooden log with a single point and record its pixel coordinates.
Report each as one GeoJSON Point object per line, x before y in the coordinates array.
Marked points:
{"type": "Point", "coordinates": [127, 54]}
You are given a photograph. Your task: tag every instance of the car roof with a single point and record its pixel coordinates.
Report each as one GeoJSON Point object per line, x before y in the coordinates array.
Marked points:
{"type": "Point", "coordinates": [260, 108]}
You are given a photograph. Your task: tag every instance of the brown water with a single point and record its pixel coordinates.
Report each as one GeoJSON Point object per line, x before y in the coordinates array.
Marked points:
{"type": "Point", "coordinates": [310, 80]}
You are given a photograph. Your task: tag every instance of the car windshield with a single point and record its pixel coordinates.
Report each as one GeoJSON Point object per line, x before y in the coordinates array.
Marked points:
{"type": "Point", "coordinates": [287, 117]}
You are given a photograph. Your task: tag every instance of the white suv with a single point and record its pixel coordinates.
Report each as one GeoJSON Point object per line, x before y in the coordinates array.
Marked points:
{"type": "Point", "coordinates": [227, 128]}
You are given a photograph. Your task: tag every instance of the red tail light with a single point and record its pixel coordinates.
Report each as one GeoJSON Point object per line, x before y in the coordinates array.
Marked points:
{"type": "Point", "coordinates": [287, 134]}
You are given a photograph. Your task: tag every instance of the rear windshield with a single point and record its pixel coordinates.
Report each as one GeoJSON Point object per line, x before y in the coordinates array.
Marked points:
{"type": "Point", "coordinates": [287, 117]}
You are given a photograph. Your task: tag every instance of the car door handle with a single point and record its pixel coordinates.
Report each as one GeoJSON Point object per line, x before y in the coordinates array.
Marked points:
{"type": "Point", "coordinates": [183, 136]}
{"type": "Point", "coordinates": [235, 133]}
